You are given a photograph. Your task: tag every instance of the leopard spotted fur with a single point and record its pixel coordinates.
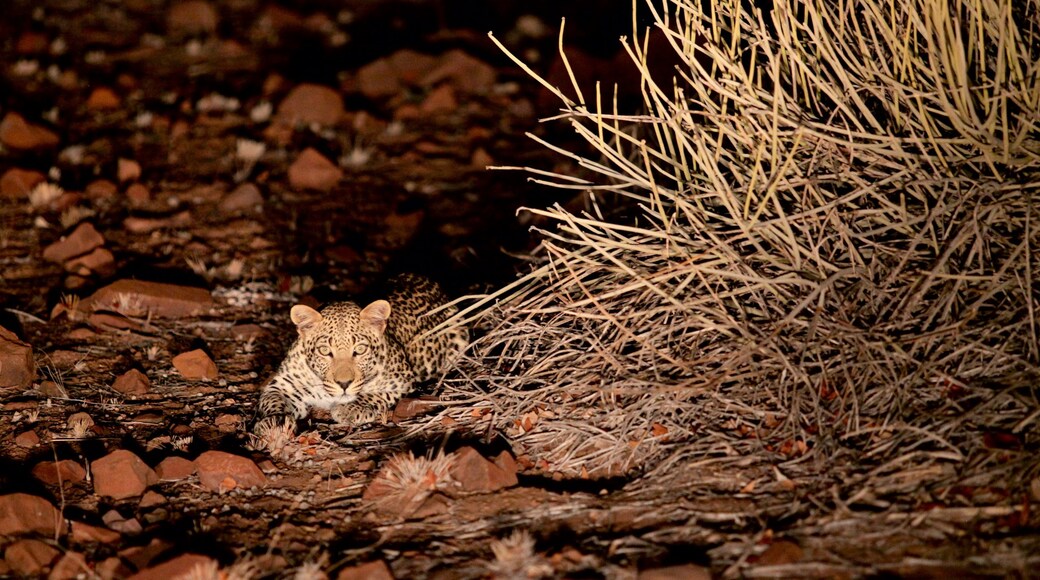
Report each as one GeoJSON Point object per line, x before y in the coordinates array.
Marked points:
{"type": "Point", "coordinates": [358, 362]}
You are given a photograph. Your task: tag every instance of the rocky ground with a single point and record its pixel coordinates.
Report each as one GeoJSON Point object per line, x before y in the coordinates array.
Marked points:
{"type": "Point", "coordinates": [173, 177]}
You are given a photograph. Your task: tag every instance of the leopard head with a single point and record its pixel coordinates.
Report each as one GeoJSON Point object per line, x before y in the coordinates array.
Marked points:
{"type": "Point", "coordinates": [344, 344]}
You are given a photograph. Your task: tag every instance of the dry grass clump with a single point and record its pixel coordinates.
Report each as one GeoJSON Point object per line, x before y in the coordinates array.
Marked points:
{"type": "Point", "coordinates": [818, 237]}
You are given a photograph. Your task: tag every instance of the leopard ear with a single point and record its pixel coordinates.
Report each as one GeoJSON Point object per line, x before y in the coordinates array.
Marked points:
{"type": "Point", "coordinates": [375, 314]}
{"type": "Point", "coordinates": [305, 318]}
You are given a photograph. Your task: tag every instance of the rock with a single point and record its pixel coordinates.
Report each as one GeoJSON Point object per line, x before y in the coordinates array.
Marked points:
{"type": "Point", "coordinates": [386, 77]}
{"type": "Point", "coordinates": [17, 183]}
{"type": "Point", "coordinates": [439, 100]}
{"type": "Point", "coordinates": [312, 170]}
{"type": "Point", "coordinates": [192, 17]}
{"type": "Point", "coordinates": [82, 240]}
{"type": "Point", "coordinates": [30, 557]}
{"type": "Point", "coordinates": [681, 572]}
{"type": "Point", "coordinates": [220, 471]}
{"type": "Point", "coordinates": [120, 523]}
{"type": "Point", "coordinates": [100, 189]}
{"type": "Point", "coordinates": [121, 474]}
{"type": "Point", "coordinates": [377, 570]}
{"type": "Point", "coordinates": [408, 407]}
{"type": "Point", "coordinates": [140, 225]}
{"type": "Point", "coordinates": [195, 365]}
{"type": "Point", "coordinates": [138, 194]}
{"type": "Point", "coordinates": [242, 198]}
{"type": "Point", "coordinates": [111, 568]}
{"type": "Point", "coordinates": [481, 158]}
{"type": "Point", "coordinates": [780, 552]}
{"type": "Point", "coordinates": [31, 42]}
{"type": "Point", "coordinates": [87, 534]}
{"type": "Point", "coordinates": [100, 262]}
{"type": "Point", "coordinates": [151, 499]}
{"type": "Point", "coordinates": [183, 566]}
{"type": "Point", "coordinates": [465, 73]}
{"type": "Point", "coordinates": [17, 367]}
{"type": "Point", "coordinates": [132, 382]}
{"type": "Point", "coordinates": [309, 104]}
{"type": "Point", "coordinates": [21, 513]}
{"type": "Point", "coordinates": [18, 134]}
{"type": "Point", "coordinates": [140, 298]}
{"type": "Point", "coordinates": [474, 473]}
{"type": "Point", "coordinates": [60, 472]}
{"type": "Point", "coordinates": [127, 170]}
{"type": "Point", "coordinates": [27, 439]}
{"type": "Point", "coordinates": [70, 566]}
{"type": "Point", "coordinates": [175, 468]}
{"type": "Point", "coordinates": [103, 99]}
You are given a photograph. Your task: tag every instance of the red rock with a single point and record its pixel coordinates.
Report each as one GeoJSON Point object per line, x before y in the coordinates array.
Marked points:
{"type": "Point", "coordinates": [27, 439]}
{"type": "Point", "coordinates": [192, 17]}
{"type": "Point", "coordinates": [17, 183]}
{"type": "Point", "coordinates": [87, 534]}
{"type": "Point", "coordinates": [100, 262]}
{"type": "Point", "coordinates": [779, 553]}
{"type": "Point", "coordinates": [377, 570]}
{"type": "Point", "coordinates": [127, 170]}
{"type": "Point", "coordinates": [310, 104]}
{"type": "Point", "coordinates": [220, 471]}
{"type": "Point", "coordinates": [481, 158]}
{"type": "Point", "coordinates": [30, 557]}
{"type": "Point", "coordinates": [151, 298]}
{"type": "Point", "coordinates": [18, 134]}
{"type": "Point", "coordinates": [681, 572]}
{"type": "Point", "coordinates": [103, 99]}
{"type": "Point", "coordinates": [121, 474]}
{"type": "Point", "coordinates": [138, 194]}
{"type": "Point", "coordinates": [506, 462]}
{"type": "Point", "coordinates": [183, 566]}
{"type": "Point", "coordinates": [17, 367]}
{"type": "Point", "coordinates": [139, 225]}
{"type": "Point", "coordinates": [151, 499]}
{"type": "Point", "coordinates": [82, 240]}
{"type": "Point", "coordinates": [465, 73]}
{"type": "Point", "coordinates": [122, 524]}
{"type": "Point", "coordinates": [70, 566]}
{"type": "Point", "coordinates": [175, 468]}
{"type": "Point", "coordinates": [244, 197]}
{"type": "Point", "coordinates": [476, 474]}
{"type": "Point", "coordinates": [132, 382]}
{"type": "Point", "coordinates": [408, 407]}
{"type": "Point", "coordinates": [21, 513]}
{"type": "Point", "coordinates": [195, 364]}
{"type": "Point", "coordinates": [31, 42]}
{"type": "Point", "coordinates": [100, 189]}
{"type": "Point", "coordinates": [59, 472]}
{"type": "Point", "coordinates": [440, 100]}
{"type": "Point", "coordinates": [312, 170]}
{"type": "Point", "coordinates": [378, 80]}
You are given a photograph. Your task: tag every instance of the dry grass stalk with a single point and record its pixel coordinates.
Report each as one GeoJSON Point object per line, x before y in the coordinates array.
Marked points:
{"type": "Point", "coordinates": [833, 248]}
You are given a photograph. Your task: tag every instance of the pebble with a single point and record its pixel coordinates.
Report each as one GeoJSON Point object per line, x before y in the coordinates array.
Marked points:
{"type": "Point", "coordinates": [474, 473]}
{"type": "Point", "coordinates": [17, 183]}
{"type": "Point", "coordinates": [221, 471]}
{"type": "Point", "coordinates": [132, 382]}
{"type": "Point", "coordinates": [103, 99]}
{"type": "Point", "coordinates": [85, 238]}
{"type": "Point", "coordinates": [183, 566]}
{"type": "Point", "coordinates": [192, 17]}
{"type": "Point", "coordinates": [17, 366]}
{"type": "Point", "coordinates": [195, 365]}
{"type": "Point", "coordinates": [309, 104]}
{"type": "Point", "coordinates": [312, 170]}
{"type": "Point", "coordinates": [18, 134]}
{"type": "Point", "coordinates": [243, 198]}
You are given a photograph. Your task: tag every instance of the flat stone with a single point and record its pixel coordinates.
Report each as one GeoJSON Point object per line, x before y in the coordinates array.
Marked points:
{"type": "Point", "coordinates": [103, 99]}
{"type": "Point", "coordinates": [312, 170]}
{"type": "Point", "coordinates": [70, 566]}
{"type": "Point", "coordinates": [18, 134]}
{"type": "Point", "coordinates": [100, 262]}
{"type": "Point", "coordinates": [195, 365]}
{"type": "Point", "coordinates": [17, 183]}
{"type": "Point", "coordinates": [245, 197]}
{"type": "Point", "coordinates": [17, 367]}
{"type": "Point", "coordinates": [27, 439]}
{"type": "Point", "coordinates": [192, 17]}
{"type": "Point", "coordinates": [376, 570]}
{"type": "Point", "coordinates": [132, 382]}
{"type": "Point", "coordinates": [221, 471]}
{"type": "Point", "coordinates": [83, 533]}
{"type": "Point", "coordinates": [30, 557]}
{"type": "Point", "coordinates": [175, 468]}
{"type": "Point", "coordinates": [59, 472]}
{"type": "Point", "coordinates": [138, 194]}
{"type": "Point", "coordinates": [474, 473]}
{"type": "Point", "coordinates": [100, 189]}
{"type": "Point", "coordinates": [121, 475]}
{"type": "Point", "coordinates": [140, 298]}
{"type": "Point", "coordinates": [21, 513]}
{"type": "Point", "coordinates": [309, 104]}
{"type": "Point", "coordinates": [82, 240]}
{"type": "Point", "coordinates": [182, 566]}
{"type": "Point", "coordinates": [140, 225]}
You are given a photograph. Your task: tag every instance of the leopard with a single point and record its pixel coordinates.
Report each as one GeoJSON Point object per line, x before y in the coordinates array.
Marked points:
{"type": "Point", "coordinates": [357, 362]}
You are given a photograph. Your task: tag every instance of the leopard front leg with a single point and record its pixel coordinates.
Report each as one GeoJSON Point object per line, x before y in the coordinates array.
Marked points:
{"type": "Point", "coordinates": [367, 408]}
{"type": "Point", "coordinates": [277, 409]}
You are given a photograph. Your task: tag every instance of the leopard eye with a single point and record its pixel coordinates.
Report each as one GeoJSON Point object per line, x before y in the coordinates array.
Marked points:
{"type": "Point", "coordinates": [360, 348]}
{"type": "Point", "coordinates": [324, 350]}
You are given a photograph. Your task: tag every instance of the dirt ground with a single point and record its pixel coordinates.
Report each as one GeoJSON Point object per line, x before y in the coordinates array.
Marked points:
{"type": "Point", "coordinates": [152, 115]}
